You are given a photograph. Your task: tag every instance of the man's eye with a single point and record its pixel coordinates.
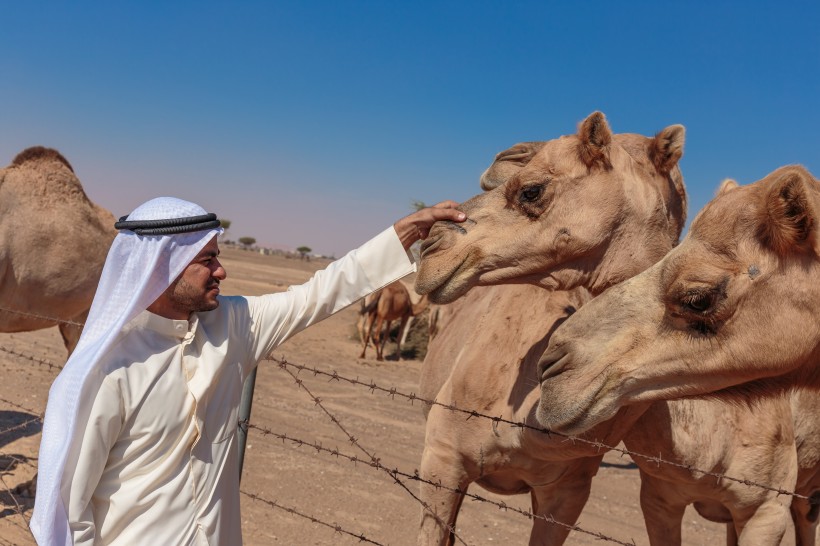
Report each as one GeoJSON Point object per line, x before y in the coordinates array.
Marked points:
{"type": "Point", "coordinates": [531, 193]}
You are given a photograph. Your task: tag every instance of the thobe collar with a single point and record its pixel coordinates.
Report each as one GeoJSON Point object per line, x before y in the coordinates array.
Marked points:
{"type": "Point", "coordinates": [165, 326]}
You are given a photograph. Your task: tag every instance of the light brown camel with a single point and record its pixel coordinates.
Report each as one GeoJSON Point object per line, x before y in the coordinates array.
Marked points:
{"type": "Point", "coordinates": [695, 326]}
{"type": "Point", "coordinates": [389, 304]}
{"type": "Point", "coordinates": [486, 357]}
{"type": "Point", "coordinates": [53, 243]}
{"type": "Point", "coordinates": [489, 325]}
{"type": "Point", "coordinates": [734, 304]}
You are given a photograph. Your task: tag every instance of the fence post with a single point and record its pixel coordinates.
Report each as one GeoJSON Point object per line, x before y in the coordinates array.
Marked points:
{"type": "Point", "coordinates": [245, 416]}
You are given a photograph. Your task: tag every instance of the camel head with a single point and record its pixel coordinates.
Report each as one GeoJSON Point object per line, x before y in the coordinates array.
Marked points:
{"type": "Point", "coordinates": [733, 308]}
{"type": "Point", "coordinates": [589, 209]}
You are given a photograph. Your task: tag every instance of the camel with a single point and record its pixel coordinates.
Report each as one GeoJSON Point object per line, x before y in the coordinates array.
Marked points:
{"type": "Point", "coordinates": [708, 291]}
{"type": "Point", "coordinates": [486, 356]}
{"type": "Point", "coordinates": [53, 244]}
{"type": "Point", "coordinates": [466, 362]}
{"type": "Point", "coordinates": [391, 303]}
{"type": "Point", "coordinates": [629, 184]}
{"type": "Point", "coordinates": [720, 313]}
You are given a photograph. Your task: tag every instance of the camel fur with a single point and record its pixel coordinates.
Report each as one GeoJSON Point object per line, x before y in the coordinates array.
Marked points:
{"type": "Point", "coordinates": [692, 325]}
{"type": "Point", "coordinates": [666, 427]}
{"type": "Point", "coordinates": [53, 244]}
{"type": "Point", "coordinates": [485, 357]}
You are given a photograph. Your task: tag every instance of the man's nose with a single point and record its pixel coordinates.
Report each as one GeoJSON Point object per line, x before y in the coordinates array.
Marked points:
{"type": "Point", "coordinates": [220, 272]}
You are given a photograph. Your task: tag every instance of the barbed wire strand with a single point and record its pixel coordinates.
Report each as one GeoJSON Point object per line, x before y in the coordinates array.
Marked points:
{"type": "Point", "coordinates": [412, 397]}
{"type": "Point", "coordinates": [336, 527]}
{"type": "Point", "coordinates": [415, 476]}
{"type": "Point", "coordinates": [393, 392]}
{"type": "Point", "coordinates": [355, 442]}
{"type": "Point", "coordinates": [41, 317]}
{"type": "Point", "coordinates": [34, 359]}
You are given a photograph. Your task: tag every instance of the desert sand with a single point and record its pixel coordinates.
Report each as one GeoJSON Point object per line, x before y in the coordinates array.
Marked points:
{"type": "Point", "coordinates": [359, 499]}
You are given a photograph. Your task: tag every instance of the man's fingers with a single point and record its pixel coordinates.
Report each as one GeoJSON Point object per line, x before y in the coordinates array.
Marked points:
{"type": "Point", "coordinates": [448, 204]}
{"type": "Point", "coordinates": [447, 214]}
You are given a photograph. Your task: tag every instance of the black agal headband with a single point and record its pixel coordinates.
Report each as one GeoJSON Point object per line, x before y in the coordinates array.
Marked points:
{"type": "Point", "coordinates": [170, 226]}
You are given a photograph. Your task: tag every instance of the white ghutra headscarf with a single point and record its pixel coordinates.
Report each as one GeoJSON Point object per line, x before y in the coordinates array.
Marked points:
{"type": "Point", "coordinates": [138, 269]}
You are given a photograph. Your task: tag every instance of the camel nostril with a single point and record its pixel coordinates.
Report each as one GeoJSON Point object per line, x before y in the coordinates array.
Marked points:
{"type": "Point", "coordinates": [547, 366]}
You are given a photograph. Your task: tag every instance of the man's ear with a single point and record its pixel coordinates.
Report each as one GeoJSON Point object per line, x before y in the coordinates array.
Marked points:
{"type": "Point", "coordinates": [595, 139]}
{"type": "Point", "coordinates": [788, 213]}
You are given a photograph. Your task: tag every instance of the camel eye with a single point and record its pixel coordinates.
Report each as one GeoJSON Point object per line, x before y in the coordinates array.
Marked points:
{"type": "Point", "coordinates": [697, 302]}
{"type": "Point", "coordinates": [531, 194]}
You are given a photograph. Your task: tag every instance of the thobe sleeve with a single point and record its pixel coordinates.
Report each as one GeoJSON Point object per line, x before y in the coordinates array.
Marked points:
{"type": "Point", "coordinates": [374, 265]}
{"type": "Point", "coordinates": [103, 428]}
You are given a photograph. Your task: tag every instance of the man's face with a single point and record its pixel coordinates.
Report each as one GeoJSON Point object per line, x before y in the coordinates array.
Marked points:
{"type": "Point", "coordinates": [198, 286]}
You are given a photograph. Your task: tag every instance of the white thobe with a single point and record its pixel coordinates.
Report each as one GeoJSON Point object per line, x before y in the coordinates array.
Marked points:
{"type": "Point", "coordinates": [159, 460]}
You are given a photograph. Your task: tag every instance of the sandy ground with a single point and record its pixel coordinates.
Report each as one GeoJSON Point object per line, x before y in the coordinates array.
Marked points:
{"type": "Point", "coordinates": [355, 497]}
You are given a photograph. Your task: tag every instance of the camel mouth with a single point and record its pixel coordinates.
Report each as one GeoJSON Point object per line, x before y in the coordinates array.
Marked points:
{"type": "Point", "coordinates": [442, 285]}
{"type": "Point", "coordinates": [567, 410]}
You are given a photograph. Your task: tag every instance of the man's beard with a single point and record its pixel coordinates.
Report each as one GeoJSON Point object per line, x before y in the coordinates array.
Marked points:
{"type": "Point", "coordinates": [186, 297]}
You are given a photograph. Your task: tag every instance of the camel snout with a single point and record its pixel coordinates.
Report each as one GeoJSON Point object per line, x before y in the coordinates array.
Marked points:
{"type": "Point", "coordinates": [550, 364]}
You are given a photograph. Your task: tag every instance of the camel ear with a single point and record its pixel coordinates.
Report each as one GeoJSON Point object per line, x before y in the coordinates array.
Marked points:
{"type": "Point", "coordinates": [788, 215]}
{"type": "Point", "coordinates": [667, 148]}
{"type": "Point", "coordinates": [596, 138]}
{"type": "Point", "coordinates": [508, 162]}
{"type": "Point", "coordinates": [726, 186]}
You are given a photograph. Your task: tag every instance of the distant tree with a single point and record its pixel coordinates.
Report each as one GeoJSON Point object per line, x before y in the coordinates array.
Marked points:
{"type": "Point", "coordinates": [304, 250]}
{"type": "Point", "coordinates": [247, 241]}
{"type": "Point", "coordinates": [418, 205]}
{"type": "Point", "coordinates": [226, 225]}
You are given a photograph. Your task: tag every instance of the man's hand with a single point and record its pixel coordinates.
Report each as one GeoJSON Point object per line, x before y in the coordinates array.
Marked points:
{"type": "Point", "coordinates": [417, 226]}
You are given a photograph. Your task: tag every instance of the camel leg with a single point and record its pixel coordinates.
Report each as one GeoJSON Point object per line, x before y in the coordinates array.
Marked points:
{"type": "Point", "coordinates": [382, 329]}
{"type": "Point", "coordinates": [563, 501]}
{"type": "Point", "coordinates": [662, 511]}
{"type": "Point", "coordinates": [439, 519]}
{"type": "Point", "coordinates": [731, 534]}
{"type": "Point", "coordinates": [805, 517]}
{"type": "Point", "coordinates": [71, 333]}
{"type": "Point", "coordinates": [767, 526]}
{"type": "Point", "coordinates": [368, 333]}
{"type": "Point", "coordinates": [400, 337]}
{"type": "Point", "coordinates": [405, 330]}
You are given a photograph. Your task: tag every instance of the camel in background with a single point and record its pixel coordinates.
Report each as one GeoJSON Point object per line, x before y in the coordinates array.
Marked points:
{"type": "Point", "coordinates": [485, 357]}
{"type": "Point", "coordinates": [391, 303]}
{"type": "Point", "coordinates": [53, 244]}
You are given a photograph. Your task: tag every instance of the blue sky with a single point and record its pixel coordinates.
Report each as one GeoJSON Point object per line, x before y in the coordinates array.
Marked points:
{"type": "Point", "coordinates": [318, 123]}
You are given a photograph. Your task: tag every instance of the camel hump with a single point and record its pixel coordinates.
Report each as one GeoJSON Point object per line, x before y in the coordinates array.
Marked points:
{"type": "Point", "coordinates": [35, 153]}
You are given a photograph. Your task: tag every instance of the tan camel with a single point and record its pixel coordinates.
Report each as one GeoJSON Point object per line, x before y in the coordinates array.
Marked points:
{"type": "Point", "coordinates": [486, 356]}
{"type": "Point", "coordinates": [706, 292]}
{"type": "Point", "coordinates": [389, 304]}
{"type": "Point", "coordinates": [733, 305]}
{"type": "Point", "coordinates": [53, 243]}
{"type": "Point", "coordinates": [629, 184]}
{"type": "Point", "coordinates": [490, 320]}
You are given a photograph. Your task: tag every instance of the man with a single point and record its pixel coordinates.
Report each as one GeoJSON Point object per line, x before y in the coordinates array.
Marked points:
{"type": "Point", "coordinates": [139, 437]}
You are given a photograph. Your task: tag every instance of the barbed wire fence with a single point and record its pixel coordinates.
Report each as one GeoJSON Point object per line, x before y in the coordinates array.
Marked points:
{"type": "Point", "coordinates": [372, 461]}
